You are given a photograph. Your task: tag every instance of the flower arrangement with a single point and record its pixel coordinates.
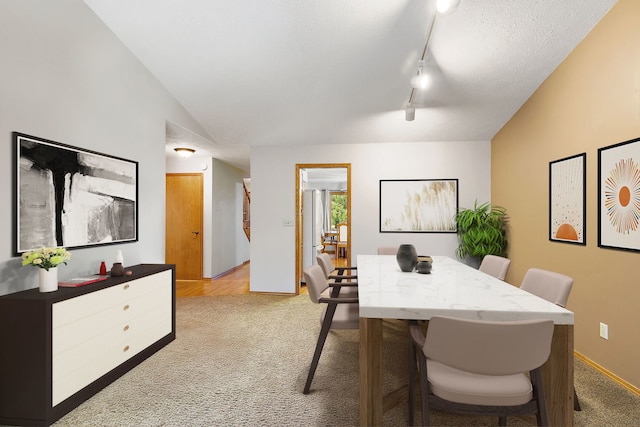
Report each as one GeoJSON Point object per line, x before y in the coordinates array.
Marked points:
{"type": "Point", "coordinates": [46, 257]}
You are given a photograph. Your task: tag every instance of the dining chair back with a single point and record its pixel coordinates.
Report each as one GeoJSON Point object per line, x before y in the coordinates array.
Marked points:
{"type": "Point", "coordinates": [343, 237]}
{"type": "Point", "coordinates": [387, 250]}
{"type": "Point", "coordinates": [495, 266]}
{"type": "Point", "coordinates": [341, 311]}
{"type": "Point", "coordinates": [552, 286]}
{"type": "Point", "coordinates": [480, 367]}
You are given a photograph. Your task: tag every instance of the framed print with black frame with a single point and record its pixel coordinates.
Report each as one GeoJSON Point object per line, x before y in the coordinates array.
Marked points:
{"type": "Point", "coordinates": [418, 205]}
{"type": "Point", "coordinates": [567, 199]}
{"type": "Point", "coordinates": [619, 196]}
{"type": "Point", "coordinates": [70, 197]}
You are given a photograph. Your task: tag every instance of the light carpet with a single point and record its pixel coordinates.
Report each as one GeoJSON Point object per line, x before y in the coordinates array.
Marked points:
{"type": "Point", "coordinates": [242, 361]}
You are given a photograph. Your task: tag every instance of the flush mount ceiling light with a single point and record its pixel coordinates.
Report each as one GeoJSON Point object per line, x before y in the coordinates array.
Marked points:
{"type": "Point", "coordinates": [184, 152]}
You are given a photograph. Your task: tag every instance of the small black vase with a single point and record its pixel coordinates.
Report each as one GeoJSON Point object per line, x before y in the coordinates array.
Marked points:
{"type": "Point", "coordinates": [407, 257]}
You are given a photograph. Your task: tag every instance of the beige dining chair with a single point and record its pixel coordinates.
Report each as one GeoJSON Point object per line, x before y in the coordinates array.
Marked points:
{"type": "Point", "coordinates": [555, 288]}
{"type": "Point", "coordinates": [338, 274]}
{"type": "Point", "coordinates": [480, 367]}
{"type": "Point", "coordinates": [387, 250]}
{"type": "Point", "coordinates": [552, 286]}
{"type": "Point", "coordinates": [341, 312]}
{"type": "Point", "coordinates": [495, 266]}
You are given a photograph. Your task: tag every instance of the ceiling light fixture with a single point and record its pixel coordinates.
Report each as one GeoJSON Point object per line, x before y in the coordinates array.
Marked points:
{"type": "Point", "coordinates": [184, 152]}
{"type": "Point", "coordinates": [409, 113]}
{"type": "Point", "coordinates": [445, 7]}
{"type": "Point", "coordinates": [421, 80]}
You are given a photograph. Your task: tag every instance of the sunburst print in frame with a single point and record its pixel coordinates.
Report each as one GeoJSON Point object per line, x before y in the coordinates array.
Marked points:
{"type": "Point", "coordinates": [619, 196]}
{"type": "Point", "coordinates": [567, 200]}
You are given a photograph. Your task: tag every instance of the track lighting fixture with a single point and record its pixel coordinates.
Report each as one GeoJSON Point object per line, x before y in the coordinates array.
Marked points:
{"type": "Point", "coordinates": [184, 152]}
{"type": "Point", "coordinates": [422, 80]}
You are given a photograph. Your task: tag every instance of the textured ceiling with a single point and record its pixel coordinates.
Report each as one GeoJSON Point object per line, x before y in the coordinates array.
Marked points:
{"type": "Point", "coordinates": [264, 72]}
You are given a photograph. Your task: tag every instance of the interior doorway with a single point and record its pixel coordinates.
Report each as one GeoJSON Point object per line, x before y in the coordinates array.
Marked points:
{"type": "Point", "coordinates": [183, 235]}
{"type": "Point", "coordinates": [326, 178]}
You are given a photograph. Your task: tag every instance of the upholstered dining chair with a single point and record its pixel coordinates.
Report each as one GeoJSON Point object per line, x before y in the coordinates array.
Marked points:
{"type": "Point", "coordinates": [552, 286]}
{"type": "Point", "coordinates": [555, 288]}
{"type": "Point", "coordinates": [495, 266]}
{"type": "Point", "coordinates": [343, 236]}
{"type": "Point", "coordinates": [387, 250]}
{"type": "Point", "coordinates": [341, 312]}
{"type": "Point", "coordinates": [480, 367]}
{"type": "Point", "coordinates": [338, 274]}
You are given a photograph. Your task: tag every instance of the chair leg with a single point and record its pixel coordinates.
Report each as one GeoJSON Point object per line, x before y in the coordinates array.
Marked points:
{"type": "Point", "coordinates": [538, 394]}
{"type": "Point", "coordinates": [324, 331]}
{"type": "Point", "coordinates": [576, 402]}
{"type": "Point", "coordinates": [412, 379]}
{"type": "Point", "coordinates": [502, 421]}
{"type": "Point", "coordinates": [424, 388]}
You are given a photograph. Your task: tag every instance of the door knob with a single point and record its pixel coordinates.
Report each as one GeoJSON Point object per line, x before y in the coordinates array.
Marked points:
{"type": "Point", "coordinates": [196, 232]}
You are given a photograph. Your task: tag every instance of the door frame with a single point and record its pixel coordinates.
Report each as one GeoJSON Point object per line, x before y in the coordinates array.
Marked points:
{"type": "Point", "coordinates": [299, 194]}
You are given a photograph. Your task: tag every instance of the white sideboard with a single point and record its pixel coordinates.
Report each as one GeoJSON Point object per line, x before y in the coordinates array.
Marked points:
{"type": "Point", "coordinates": [60, 348]}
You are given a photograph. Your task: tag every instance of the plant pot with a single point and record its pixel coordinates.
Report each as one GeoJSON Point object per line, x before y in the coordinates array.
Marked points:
{"type": "Point", "coordinates": [48, 279]}
{"type": "Point", "coordinates": [407, 257]}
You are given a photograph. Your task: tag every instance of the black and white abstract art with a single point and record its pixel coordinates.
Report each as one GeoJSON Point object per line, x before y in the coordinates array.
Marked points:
{"type": "Point", "coordinates": [70, 197]}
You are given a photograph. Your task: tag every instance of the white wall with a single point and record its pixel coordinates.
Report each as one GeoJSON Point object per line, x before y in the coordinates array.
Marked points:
{"type": "Point", "coordinates": [67, 78]}
{"type": "Point", "coordinates": [273, 197]}
{"type": "Point", "coordinates": [230, 245]}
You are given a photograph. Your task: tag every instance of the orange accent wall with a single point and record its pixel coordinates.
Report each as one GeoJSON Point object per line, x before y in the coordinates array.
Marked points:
{"type": "Point", "coordinates": [592, 100]}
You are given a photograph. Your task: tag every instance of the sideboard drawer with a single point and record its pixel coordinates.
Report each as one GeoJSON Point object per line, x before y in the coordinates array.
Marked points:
{"type": "Point", "coordinates": [84, 351]}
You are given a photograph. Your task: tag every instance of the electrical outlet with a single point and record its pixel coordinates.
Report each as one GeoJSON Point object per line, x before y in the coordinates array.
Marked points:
{"type": "Point", "coordinates": [604, 331]}
{"type": "Point", "coordinates": [287, 222]}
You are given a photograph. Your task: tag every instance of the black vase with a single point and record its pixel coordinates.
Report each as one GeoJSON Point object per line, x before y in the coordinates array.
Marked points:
{"type": "Point", "coordinates": [117, 270]}
{"type": "Point", "coordinates": [407, 257]}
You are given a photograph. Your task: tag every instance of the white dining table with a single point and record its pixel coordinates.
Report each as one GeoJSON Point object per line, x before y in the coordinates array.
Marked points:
{"type": "Point", "coordinates": [452, 289]}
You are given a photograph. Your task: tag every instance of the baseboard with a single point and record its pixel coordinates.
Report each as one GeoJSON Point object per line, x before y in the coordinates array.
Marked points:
{"type": "Point", "coordinates": [228, 271]}
{"type": "Point", "coordinates": [610, 374]}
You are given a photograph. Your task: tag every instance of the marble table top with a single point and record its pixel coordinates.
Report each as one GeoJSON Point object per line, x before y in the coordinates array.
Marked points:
{"type": "Point", "coordinates": [451, 289]}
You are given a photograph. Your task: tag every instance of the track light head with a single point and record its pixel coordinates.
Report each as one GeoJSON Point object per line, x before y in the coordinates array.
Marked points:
{"type": "Point", "coordinates": [409, 113]}
{"type": "Point", "coordinates": [445, 7]}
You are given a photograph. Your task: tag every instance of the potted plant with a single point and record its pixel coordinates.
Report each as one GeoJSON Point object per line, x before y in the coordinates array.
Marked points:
{"type": "Point", "coordinates": [47, 260]}
{"type": "Point", "coordinates": [481, 231]}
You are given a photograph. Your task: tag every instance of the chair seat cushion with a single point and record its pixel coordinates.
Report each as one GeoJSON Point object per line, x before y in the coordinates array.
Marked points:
{"type": "Point", "coordinates": [347, 316]}
{"type": "Point", "coordinates": [474, 389]}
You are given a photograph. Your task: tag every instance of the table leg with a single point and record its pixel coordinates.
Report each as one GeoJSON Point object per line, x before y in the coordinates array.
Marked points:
{"type": "Point", "coordinates": [370, 372]}
{"type": "Point", "coordinates": [558, 377]}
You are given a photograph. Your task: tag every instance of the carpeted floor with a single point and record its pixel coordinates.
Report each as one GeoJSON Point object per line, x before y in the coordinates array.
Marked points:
{"type": "Point", "coordinates": [242, 361]}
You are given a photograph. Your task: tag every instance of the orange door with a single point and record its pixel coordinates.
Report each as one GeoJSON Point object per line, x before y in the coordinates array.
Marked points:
{"type": "Point", "coordinates": [183, 241]}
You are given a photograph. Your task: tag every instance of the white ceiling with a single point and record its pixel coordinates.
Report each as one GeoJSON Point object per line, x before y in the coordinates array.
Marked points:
{"type": "Point", "coordinates": [264, 72]}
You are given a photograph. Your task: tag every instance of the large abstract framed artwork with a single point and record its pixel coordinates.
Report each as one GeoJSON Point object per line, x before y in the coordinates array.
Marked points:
{"type": "Point", "coordinates": [418, 205]}
{"type": "Point", "coordinates": [567, 199]}
{"type": "Point", "coordinates": [619, 196]}
{"type": "Point", "coordinates": [71, 197]}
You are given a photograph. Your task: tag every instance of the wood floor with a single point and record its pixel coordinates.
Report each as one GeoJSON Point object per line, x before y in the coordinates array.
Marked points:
{"type": "Point", "coordinates": [234, 282]}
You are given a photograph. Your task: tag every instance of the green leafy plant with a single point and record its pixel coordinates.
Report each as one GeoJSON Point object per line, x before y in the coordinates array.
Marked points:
{"type": "Point", "coordinates": [481, 231]}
